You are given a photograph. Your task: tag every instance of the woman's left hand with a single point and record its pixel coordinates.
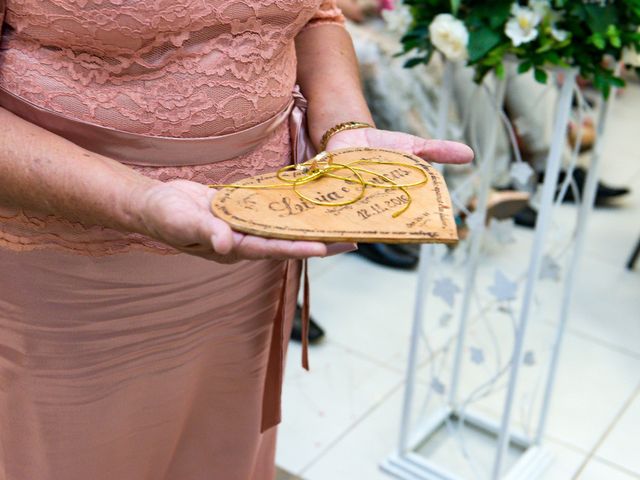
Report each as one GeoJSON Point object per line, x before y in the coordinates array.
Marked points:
{"type": "Point", "coordinates": [439, 151]}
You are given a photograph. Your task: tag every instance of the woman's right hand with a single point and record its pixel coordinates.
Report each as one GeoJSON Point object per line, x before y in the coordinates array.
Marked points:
{"type": "Point", "coordinates": [178, 213]}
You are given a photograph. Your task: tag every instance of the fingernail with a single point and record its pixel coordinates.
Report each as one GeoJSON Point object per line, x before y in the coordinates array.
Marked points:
{"type": "Point", "coordinates": [213, 242]}
{"type": "Point", "coordinates": [337, 248]}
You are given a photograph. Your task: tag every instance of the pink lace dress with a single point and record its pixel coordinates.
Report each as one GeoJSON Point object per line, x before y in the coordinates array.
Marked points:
{"type": "Point", "coordinates": [119, 358]}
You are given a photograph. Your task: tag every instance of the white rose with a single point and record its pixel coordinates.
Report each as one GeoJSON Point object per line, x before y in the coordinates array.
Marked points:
{"type": "Point", "coordinates": [450, 36]}
{"type": "Point", "coordinates": [521, 27]}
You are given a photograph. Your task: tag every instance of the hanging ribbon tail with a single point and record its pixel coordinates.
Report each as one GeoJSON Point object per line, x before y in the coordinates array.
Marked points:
{"type": "Point", "coordinates": [302, 147]}
{"type": "Point", "coordinates": [302, 151]}
{"type": "Point", "coordinates": [305, 316]}
{"type": "Point", "coordinates": [272, 391]}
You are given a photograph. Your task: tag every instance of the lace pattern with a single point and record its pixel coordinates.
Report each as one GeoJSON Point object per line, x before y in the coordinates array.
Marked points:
{"type": "Point", "coordinates": [185, 68]}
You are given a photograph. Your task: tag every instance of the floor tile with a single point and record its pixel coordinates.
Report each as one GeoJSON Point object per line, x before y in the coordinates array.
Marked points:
{"type": "Point", "coordinates": [368, 309]}
{"type": "Point", "coordinates": [318, 406]}
{"type": "Point", "coordinates": [358, 455]}
{"type": "Point", "coordinates": [596, 470]}
{"type": "Point", "coordinates": [565, 463]}
{"type": "Point", "coordinates": [605, 304]}
{"type": "Point", "coordinates": [592, 385]}
{"type": "Point", "coordinates": [621, 446]}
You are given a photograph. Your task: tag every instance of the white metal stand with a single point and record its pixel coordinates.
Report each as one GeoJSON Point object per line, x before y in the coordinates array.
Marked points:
{"type": "Point", "coordinates": [426, 257]}
{"type": "Point", "coordinates": [586, 207]}
{"type": "Point", "coordinates": [405, 463]}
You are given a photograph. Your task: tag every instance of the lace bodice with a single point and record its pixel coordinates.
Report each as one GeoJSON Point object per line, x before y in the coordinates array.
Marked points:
{"type": "Point", "coordinates": [180, 68]}
{"type": "Point", "coordinates": [171, 68]}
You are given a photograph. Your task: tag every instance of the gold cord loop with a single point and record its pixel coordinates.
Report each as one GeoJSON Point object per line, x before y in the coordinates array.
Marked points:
{"type": "Point", "coordinates": [322, 165]}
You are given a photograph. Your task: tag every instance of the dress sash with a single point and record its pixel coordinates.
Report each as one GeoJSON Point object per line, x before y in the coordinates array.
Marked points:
{"type": "Point", "coordinates": [158, 151]}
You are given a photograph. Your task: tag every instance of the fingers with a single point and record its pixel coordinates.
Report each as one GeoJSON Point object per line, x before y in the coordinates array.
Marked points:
{"type": "Point", "coordinates": [221, 236]}
{"type": "Point", "coordinates": [257, 248]}
{"type": "Point", "coordinates": [220, 233]}
{"type": "Point", "coordinates": [442, 151]}
{"type": "Point", "coordinates": [439, 151]}
{"type": "Point", "coordinates": [249, 247]}
{"type": "Point", "coordinates": [211, 234]}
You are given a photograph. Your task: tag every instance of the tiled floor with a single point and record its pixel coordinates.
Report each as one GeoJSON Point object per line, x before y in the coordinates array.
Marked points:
{"type": "Point", "coordinates": [342, 419]}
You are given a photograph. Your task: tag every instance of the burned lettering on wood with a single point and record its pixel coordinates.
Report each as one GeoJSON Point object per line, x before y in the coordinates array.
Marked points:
{"type": "Point", "coordinates": [286, 206]}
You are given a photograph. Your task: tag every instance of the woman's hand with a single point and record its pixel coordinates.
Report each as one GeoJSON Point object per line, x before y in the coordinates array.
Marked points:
{"type": "Point", "coordinates": [329, 78]}
{"type": "Point", "coordinates": [439, 151]}
{"type": "Point", "coordinates": [178, 213]}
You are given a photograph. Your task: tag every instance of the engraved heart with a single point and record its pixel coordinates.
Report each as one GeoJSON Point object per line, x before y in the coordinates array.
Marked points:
{"type": "Point", "coordinates": [282, 213]}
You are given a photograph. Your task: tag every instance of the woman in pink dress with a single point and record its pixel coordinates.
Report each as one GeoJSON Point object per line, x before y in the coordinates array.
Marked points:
{"type": "Point", "coordinates": [140, 338]}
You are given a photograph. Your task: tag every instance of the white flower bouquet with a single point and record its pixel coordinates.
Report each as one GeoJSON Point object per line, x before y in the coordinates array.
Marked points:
{"type": "Point", "coordinates": [584, 34]}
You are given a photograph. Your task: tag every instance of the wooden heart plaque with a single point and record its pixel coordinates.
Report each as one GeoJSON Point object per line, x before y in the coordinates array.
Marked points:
{"type": "Point", "coordinates": [281, 213]}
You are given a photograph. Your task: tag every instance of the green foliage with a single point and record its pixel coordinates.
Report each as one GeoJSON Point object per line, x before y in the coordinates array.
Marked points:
{"type": "Point", "coordinates": [540, 75]}
{"type": "Point", "coordinates": [597, 32]}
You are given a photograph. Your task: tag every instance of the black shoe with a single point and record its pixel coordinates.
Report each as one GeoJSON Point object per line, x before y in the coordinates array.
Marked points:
{"type": "Point", "coordinates": [388, 255]}
{"type": "Point", "coordinates": [316, 333]}
{"type": "Point", "coordinates": [604, 193]}
{"type": "Point", "coordinates": [526, 217]}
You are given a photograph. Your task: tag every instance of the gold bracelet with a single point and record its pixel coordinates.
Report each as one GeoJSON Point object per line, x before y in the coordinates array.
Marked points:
{"type": "Point", "coordinates": [341, 127]}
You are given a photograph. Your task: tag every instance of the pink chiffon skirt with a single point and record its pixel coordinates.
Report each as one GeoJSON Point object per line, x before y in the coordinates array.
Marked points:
{"type": "Point", "coordinates": [135, 366]}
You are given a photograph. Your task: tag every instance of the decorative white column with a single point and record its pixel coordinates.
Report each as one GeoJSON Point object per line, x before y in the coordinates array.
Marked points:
{"type": "Point", "coordinates": [424, 270]}
{"type": "Point", "coordinates": [487, 165]}
{"type": "Point", "coordinates": [586, 207]}
{"type": "Point", "coordinates": [406, 463]}
{"type": "Point", "coordinates": [542, 225]}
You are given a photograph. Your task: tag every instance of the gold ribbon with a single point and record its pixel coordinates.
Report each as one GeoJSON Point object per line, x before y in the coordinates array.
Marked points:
{"type": "Point", "coordinates": [322, 166]}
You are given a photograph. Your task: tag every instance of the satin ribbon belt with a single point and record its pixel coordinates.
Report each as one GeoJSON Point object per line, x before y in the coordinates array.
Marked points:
{"type": "Point", "coordinates": [135, 149]}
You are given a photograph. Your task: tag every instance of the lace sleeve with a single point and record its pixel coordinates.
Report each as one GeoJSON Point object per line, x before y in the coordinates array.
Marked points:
{"type": "Point", "coordinates": [328, 13]}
